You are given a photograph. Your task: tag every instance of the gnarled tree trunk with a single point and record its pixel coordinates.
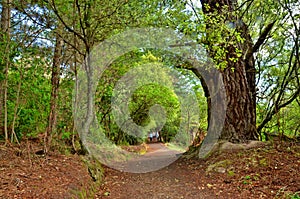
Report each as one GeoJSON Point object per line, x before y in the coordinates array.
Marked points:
{"type": "Point", "coordinates": [238, 76]}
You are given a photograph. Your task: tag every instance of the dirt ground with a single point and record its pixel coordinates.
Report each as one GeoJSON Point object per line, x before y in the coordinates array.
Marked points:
{"type": "Point", "coordinates": [268, 172]}
{"type": "Point", "coordinates": [24, 173]}
{"type": "Point", "coordinates": [257, 173]}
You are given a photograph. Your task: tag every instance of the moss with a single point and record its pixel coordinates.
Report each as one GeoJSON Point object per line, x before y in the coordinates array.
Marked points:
{"type": "Point", "coordinates": [216, 166]}
{"type": "Point", "coordinates": [231, 173]}
{"type": "Point", "coordinates": [263, 162]}
{"type": "Point", "coordinates": [94, 168]}
{"type": "Point", "coordinates": [96, 172]}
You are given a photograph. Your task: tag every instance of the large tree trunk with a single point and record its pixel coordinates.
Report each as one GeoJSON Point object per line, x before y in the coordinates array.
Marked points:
{"type": "Point", "coordinates": [238, 76]}
{"type": "Point", "coordinates": [241, 114]}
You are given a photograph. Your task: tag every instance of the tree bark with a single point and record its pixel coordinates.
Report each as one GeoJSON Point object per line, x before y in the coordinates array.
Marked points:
{"type": "Point", "coordinates": [238, 77]}
{"type": "Point", "coordinates": [13, 133]}
{"type": "Point", "coordinates": [52, 119]}
{"type": "Point", "coordinates": [5, 38]}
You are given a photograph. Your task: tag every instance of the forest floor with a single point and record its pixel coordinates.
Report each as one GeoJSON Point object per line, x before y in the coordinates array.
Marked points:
{"type": "Point", "coordinates": [266, 172]}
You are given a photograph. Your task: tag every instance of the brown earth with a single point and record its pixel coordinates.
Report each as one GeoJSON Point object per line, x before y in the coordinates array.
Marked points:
{"type": "Point", "coordinates": [26, 173]}
{"type": "Point", "coordinates": [266, 172]}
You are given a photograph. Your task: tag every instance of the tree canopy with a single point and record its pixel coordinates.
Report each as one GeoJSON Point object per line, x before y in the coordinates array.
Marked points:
{"type": "Point", "coordinates": [253, 44]}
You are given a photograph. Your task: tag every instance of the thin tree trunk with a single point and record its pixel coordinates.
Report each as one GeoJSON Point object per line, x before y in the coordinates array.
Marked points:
{"type": "Point", "coordinates": [5, 102]}
{"type": "Point", "coordinates": [75, 98]}
{"type": "Point", "coordinates": [51, 128]}
{"type": "Point", "coordinates": [75, 95]}
{"type": "Point", "coordinates": [13, 133]}
{"type": "Point", "coordinates": [5, 37]}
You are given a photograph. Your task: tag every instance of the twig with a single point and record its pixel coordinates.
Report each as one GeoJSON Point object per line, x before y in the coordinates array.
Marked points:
{"type": "Point", "coordinates": [28, 153]}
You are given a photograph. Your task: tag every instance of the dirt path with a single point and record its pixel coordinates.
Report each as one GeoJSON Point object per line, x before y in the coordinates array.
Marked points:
{"type": "Point", "coordinates": [255, 173]}
{"type": "Point", "coordinates": [268, 172]}
{"type": "Point", "coordinates": [174, 181]}
{"type": "Point", "coordinates": [171, 181]}
{"type": "Point", "coordinates": [158, 156]}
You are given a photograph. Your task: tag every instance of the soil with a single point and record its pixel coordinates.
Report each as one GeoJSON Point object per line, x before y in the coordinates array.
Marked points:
{"type": "Point", "coordinates": [25, 172]}
{"type": "Point", "coordinates": [267, 172]}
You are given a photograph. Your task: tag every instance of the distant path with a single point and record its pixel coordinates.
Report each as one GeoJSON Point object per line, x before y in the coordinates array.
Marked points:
{"type": "Point", "coordinates": [157, 156]}
{"type": "Point", "coordinates": [158, 148]}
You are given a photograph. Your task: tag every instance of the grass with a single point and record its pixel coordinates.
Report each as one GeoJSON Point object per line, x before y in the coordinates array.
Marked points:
{"type": "Point", "coordinates": [295, 196]}
{"type": "Point", "coordinates": [175, 147]}
{"type": "Point", "coordinates": [88, 193]}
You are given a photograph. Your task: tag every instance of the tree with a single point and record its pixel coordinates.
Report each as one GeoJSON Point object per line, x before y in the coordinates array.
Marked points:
{"type": "Point", "coordinates": [281, 67]}
{"type": "Point", "coordinates": [55, 77]}
{"type": "Point", "coordinates": [142, 99]}
{"type": "Point", "coordinates": [228, 41]}
{"type": "Point", "coordinates": [5, 40]}
{"type": "Point", "coordinates": [93, 22]}
{"type": "Point", "coordinates": [227, 49]}
{"type": "Point", "coordinates": [230, 27]}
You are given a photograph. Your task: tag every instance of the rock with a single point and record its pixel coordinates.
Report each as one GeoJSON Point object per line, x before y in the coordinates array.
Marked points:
{"type": "Point", "coordinates": [222, 146]}
{"type": "Point", "coordinates": [228, 146]}
{"type": "Point", "coordinates": [255, 144]}
{"type": "Point", "coordinates": [206, 149]}
{"type": "Point", "coordinates": [220, 170]}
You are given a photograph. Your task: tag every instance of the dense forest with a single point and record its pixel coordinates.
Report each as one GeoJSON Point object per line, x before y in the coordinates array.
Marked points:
{"type": "Point", "coordinates": [53, 90]}
{"type": "Point", "coordinates": [255, 46]}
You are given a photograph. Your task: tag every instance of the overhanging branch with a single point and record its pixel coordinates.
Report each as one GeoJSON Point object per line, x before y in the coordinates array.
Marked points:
{"type": "Point", "coordinates": [263, 37]}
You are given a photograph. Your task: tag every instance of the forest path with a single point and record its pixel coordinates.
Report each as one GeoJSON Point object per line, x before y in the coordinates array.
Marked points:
{"type": "Point", "coordinates": [174, 180]}
{"type": "Point", "coordinates": [265, 172]}
{"type": "Point", "coordinates": [157, 156]}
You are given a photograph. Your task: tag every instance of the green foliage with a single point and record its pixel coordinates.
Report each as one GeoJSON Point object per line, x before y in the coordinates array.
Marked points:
{"type": "Point", "coordinates": [218, 31]}
{"type": "Point", "coordinates": [34, 96]}
{"type": "Point", "coordinates": [90, 22]}
{"type": "Point", "coordinates": [247, 180]}
{"type": "Point", "coordinates": [295, 196]}
{"type": "Point", "coordinates": [286, 121]}
{"type": "Point", "coordinates": [277, 68]}
{"type": "Point", "coordinates": [146, 66]}
{"type": "Point", "coordinates": [142, 99]}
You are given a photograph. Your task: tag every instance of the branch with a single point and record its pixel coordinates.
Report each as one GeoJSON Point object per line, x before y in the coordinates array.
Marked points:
{"type": "Point", "coordinates": [263, 37]}
{"type": "Point", "coordinates": [66, 25]}
{"type": "Point", "coordinates": [277, 106]}
{"type": "Point", "coordinates": [276, 110]}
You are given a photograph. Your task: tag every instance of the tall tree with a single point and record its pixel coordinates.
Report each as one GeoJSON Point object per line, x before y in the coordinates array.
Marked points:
{"type": "Point", "coordinates": [93, 22]}
{"type": "Point", "coordinates": [229, 43]}
{"type": "Point", "coordinates": [281, 67]}
{"type": "Point", "coordinates": [238, 76]}
{"type": "Point", "coordinates": [55, 77]}
{"type": "Point", "coordinates": [5, 40]}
